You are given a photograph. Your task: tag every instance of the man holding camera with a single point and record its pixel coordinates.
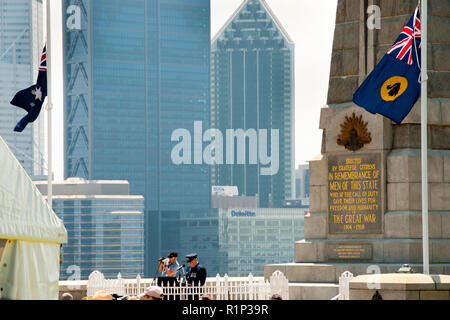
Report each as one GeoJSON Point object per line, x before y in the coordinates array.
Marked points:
{"type": "Point", "coordinates": [169, 267]}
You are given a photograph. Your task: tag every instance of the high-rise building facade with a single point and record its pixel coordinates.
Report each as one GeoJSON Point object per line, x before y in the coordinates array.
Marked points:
{"type": "Point", "coordinates": [252, 88]}
{"type": "Point", "coordinates": [250, 238]}
{"type": "Point", "coordinates": [21, 43]}
{"type": "Point", "coordinates": [135, 72]}
{"type": "Point", "coordinates": [105, 227]}
{"type": "Point", "coordinates": [302, 182]}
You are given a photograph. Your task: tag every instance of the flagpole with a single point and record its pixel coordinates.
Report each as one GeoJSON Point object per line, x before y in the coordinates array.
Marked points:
{"type": "Point", "coordinates": [49, 110]}
{"type": "Point", "coordinates": [424, 137]}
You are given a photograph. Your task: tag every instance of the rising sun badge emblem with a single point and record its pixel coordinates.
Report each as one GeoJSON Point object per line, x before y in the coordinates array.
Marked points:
{"type": "Point", "coordinates": [354, 134]}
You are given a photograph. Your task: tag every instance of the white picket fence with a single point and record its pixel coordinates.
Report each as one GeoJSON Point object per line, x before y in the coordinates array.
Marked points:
{"type": "Point", "coordinates": [218, 288]}
{"type": "Point", "coordinates": [344, 286]}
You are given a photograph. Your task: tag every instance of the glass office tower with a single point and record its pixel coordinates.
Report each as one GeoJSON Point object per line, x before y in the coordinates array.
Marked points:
{"type": "Point", "coordinates": [21, 43]}
{"type": "Point", "coordinates": [252, 87]}
{"type": "Point", "coordinates": [135, 71]}
{"type": "Point", "coordinates": [250, 238]}
{"type": "Point", "coordinates": [302, 182]}
{"type": "Point", "coordinates": [105, 227]}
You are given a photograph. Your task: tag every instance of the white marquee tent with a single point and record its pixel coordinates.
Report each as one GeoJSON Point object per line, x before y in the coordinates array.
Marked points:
{"type": "Point", "coordinates": [30, 236]}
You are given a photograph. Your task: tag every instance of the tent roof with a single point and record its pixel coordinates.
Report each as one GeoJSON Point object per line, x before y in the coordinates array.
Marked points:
{"type": "Point", "coordinates": [24, 214]}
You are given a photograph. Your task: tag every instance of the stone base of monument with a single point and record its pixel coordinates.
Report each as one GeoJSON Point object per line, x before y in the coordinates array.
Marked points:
{"type": "Point", "coordinates": [365, 186]}
{"type": "Point", "coordinates": [319, 281]}
{"type": "Point", "coordinates": [398, 286]}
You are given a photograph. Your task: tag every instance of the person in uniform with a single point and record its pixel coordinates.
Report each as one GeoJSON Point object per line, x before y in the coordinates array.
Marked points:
{"type": "Point", "coordinates": [195, 274]}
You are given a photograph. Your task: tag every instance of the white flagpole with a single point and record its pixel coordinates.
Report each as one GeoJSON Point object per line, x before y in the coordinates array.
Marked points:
{"type": "Point", "coordinates": [49, 110]}
{"type": "Point", "coordinates": [424, 142]}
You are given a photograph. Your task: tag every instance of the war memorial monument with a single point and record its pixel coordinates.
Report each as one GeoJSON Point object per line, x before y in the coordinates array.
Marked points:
{"type": "Point", "coordinates": [365, 186]}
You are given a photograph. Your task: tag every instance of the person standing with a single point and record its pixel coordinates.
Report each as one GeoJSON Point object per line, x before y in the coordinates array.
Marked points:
{"type": "Point", "coordinates": [195, 274]}
{"type": "Point", "coordinates": [169, 267]}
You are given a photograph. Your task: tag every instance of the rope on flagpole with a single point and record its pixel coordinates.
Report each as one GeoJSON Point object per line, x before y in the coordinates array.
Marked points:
{"type": "Point", "coordinates": [415, 43]}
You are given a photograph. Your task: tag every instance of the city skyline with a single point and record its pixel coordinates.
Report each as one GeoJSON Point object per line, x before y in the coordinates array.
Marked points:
{"type": "Point", "coordinates": [311, 74]}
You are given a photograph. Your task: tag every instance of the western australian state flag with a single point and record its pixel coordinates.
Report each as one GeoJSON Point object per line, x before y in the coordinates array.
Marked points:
{"type": "Point", "coordinates": [32, 98]}
{"type": "Point", "coordinates": [393, 87]}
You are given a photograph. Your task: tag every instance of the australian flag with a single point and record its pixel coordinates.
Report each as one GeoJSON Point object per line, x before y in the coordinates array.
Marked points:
{"type": "Point", "coordinates": [393, 86]}
{"type": "Point", "coordinates": [32, 98]}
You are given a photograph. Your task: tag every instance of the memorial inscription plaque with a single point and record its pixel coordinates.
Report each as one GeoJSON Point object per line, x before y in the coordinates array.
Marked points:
{"type": "Point", "coordinates": [354, 194]}
{"type": "Point", "coordinates": [349, 251]}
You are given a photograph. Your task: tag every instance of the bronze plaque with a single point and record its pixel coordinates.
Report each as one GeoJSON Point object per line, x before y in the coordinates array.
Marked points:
{"type": "Point", "coordinates": [349, 251]}
{"type": "Point", "coordinates": [354, 194]}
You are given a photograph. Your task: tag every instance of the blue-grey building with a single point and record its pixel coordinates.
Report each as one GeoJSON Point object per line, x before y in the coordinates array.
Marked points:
{"type": "Point", "coordinates": [302, 182]}
{"type": "Point", "coordinates": [135, 71]}
{"type": "Point", "coordinates": [194, 230]}
{"type": "Point", "coordinates": [252, 88]}
{"type": "Point", "coordinates": [21, 44]}
{"type": "Point", "coordinates": [250, 238]}
{"type": "Point", "coordinates": [105, 227]}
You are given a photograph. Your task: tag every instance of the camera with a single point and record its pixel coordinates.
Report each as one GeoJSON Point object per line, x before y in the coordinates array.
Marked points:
{"type": "Point", "coordinates": [161, 259]}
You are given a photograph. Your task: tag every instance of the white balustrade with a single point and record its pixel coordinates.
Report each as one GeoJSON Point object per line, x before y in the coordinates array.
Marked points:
{"type": "Point", "coordinates": [218, 288]}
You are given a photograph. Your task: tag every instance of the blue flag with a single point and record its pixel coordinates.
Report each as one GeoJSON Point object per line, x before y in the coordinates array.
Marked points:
{"type": "Point", "coordinates": [393, 87]}
{"type": "Point", "coordinates": [32, 98]}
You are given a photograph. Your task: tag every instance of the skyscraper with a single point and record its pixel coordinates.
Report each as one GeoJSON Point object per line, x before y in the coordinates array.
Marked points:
{"type": "Point", "coordinates": [135, 71]}
{"type": "Point", "coordinates": [252, 88]}
{"type": "Point", "coordinates": [302, 182]}
{"type": "Point", "coordinates": [105, 226]}
{"type": "Point", "coordinates": [21, 43]}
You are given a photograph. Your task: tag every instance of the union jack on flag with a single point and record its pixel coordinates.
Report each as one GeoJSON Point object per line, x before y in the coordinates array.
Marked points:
{"type": "Point", "coordinates": [393, 86]}
{"type": "Point", "coordinates": [43, 64]}
{"type": "Point", "coordinates": [411, 35]}
{"type": "Point", "coordinates": [32, 98]}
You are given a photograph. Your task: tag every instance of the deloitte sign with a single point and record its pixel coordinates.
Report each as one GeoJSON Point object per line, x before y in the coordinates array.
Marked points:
{"type": "Point", "coordinates": [243, 213]}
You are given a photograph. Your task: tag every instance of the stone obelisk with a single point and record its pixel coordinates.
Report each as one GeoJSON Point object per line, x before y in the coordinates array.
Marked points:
{"type": "Point", "coordinates": [365, 186]}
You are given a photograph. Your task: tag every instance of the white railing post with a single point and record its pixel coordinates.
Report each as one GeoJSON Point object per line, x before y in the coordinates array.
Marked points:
{"type": "Point", "coordinates": [251, 293]}
{"type": "Point", "coordinates": [226, 289]}
{"type": "Point", "coordinates": [138, 285]}
{"type": "Point", "coordinates": [279, 284]}
{"type": "Point", "coordinates": [219, 288]}
{"type": "Point", "coordinates": [344, 285]}
{"type": "Point", "coordinates": [95, 282]}
{"type": "Point", "coordinates": [119, 287]}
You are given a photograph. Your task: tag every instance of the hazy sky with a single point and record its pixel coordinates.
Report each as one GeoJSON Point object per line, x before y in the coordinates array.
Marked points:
{"type": "Point", "coordinates": [309, 23]}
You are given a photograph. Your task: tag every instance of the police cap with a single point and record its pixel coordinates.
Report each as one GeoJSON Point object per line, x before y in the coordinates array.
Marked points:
{"type": "Point", "coordinates": [191, 257]}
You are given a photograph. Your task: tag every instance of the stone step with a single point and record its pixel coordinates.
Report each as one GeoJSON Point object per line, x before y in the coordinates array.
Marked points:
{"type": "Point", "coordinates": [312, 291]}
{"type": "Point", "coordinates": [375, 251]}
{"type": "Point", "coordinates": [330, 273]}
